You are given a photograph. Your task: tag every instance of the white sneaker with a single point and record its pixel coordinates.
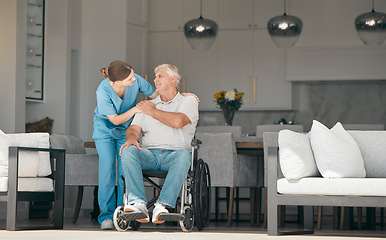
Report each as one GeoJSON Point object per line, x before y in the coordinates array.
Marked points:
{"type": "Point", "coordinates": [138, 207]}
{"type": "Point", "coordinates": [107, 225]}
{"type": "Point", "coordinates": [158, 209]}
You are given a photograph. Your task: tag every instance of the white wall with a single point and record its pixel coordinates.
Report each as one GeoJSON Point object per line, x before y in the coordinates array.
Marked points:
{"type": "Point", "coordinates": [103, 40]}
{"type": "Point", "coordinates": [12, 65]}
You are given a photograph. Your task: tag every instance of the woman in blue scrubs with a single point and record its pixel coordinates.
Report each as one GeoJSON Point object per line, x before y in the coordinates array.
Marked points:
{"type": "Point", "coordinates": [116, 99]}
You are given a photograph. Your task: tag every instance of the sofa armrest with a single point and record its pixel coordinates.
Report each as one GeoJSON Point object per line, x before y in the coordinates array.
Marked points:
{"type": "Point", "coordinates": [272, 171]}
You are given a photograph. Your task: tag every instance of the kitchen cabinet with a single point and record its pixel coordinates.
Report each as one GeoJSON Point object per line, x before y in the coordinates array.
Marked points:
{"type": "Point", "coordinates": [166, 15]}
{"type": "Point", "coordinates": [200, 69]}
{"type": "Point", "coordinates": [242, 58]}
{"type": "Point", "coordinates": [251, 63]}
{"type": "Point", "coordinates": [137, 12]}
{"type": "Point", "coordinates": [247, 14]}
{"type": "Point", "coordinates": [164, 47]}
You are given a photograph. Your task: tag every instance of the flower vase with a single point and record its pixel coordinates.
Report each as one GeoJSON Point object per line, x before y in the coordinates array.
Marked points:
{"type": "Point", "coordinates": [228, 115]}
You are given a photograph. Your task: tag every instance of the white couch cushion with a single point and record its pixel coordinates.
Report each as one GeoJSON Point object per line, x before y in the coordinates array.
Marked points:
{"type": "Point", "coordinates": [29, 184]}
{"type": "Point", "coordinates": [337, 186]}
{"type": "Point", "coordinates": [296, 157]}
{"type": "Point", "coordinates": [337, 154]}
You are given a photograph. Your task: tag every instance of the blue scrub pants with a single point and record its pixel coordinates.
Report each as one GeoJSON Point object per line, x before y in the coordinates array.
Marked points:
{"type": "Point", "coordinates": [108, 151]}
{"type": "Point", "coordinates": [176, 163]}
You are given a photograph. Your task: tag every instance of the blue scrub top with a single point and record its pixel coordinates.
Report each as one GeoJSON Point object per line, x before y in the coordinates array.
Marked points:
{"type": "Point", "coordinates": [109, 103]}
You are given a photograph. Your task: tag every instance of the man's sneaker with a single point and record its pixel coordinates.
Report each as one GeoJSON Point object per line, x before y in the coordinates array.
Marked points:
{"type": "Point", "coordinates": [107, 225]}
{"type": "Point", "coordinates": [158, 209]}
{"type": "Point", "coordinates": [139, 208]}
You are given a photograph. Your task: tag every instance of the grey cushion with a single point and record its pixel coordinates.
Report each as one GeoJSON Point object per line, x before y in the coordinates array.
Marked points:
{"type": "Point", "coordinates": [81, 169]}
{"type": "Point", "coordinates": [227, 168]}
{"type": "Point", "coordinates": [363, 126]}
{"type": "Point", "coordinates": [72, 144]}
{"type": "Point", "coordinates": [373, 148]}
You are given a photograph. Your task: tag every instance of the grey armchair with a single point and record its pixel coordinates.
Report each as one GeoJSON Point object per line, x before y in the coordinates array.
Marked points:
{"type": "Point", "coordinates": [228, 169]}
{"type": "Point", "coordinates": [81, 169]}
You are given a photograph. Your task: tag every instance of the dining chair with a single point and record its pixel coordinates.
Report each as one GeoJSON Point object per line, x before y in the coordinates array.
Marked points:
{"type": "Point", "coordinates": [236, 130]}
{"type": "Point", "coordinates": [228, 168]}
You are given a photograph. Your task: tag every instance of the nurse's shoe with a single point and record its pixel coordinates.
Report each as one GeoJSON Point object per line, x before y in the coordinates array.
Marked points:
{"type": "Point", "coordinates": [107, 225]}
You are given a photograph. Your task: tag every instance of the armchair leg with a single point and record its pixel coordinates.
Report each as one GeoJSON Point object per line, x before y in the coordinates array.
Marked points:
{"type": "Point", "coordinates": [11, 214]}
{"type": "Point", "coordinates": [272, 219]}
{"type": "Point", "coordinates": [308, 219]}
{"type": "Point", "coordinates": [12, 191]}
{"type": "Point", "coordinates": [78, 204]}
{"type": "Point", "coordinates": [230, 208]}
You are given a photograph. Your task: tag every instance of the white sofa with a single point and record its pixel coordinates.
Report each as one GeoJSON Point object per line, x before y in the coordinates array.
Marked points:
{"type": "Point", "coordinates": [369, 191]}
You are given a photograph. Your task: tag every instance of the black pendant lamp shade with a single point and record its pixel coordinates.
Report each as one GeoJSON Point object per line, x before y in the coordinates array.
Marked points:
{"type": "Point", "coordinates": [200, 32]}
{"type": "Point", "coordinates": [371, 27]}
{"type": "Point", "coordinates": [285, 30]}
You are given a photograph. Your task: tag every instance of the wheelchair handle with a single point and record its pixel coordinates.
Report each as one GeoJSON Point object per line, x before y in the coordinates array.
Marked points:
{"type": "Point", "coordinates": [196, 142]}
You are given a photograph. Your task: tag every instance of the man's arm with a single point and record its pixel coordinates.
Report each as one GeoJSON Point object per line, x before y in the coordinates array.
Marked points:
{"type": "Point", "coordinates": [132, 135]}
{"type": "Point", "coordinates": [171, 119]}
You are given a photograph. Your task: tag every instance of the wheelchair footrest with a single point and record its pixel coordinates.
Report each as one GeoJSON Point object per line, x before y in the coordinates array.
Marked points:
{"type": "Point", "coordinates": [171, 217]}
{"type": "Point", "coordinates": [131, 216]}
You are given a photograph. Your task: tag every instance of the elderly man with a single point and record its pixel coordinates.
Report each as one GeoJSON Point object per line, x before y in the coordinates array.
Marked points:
{"type": "Point", "coordinates": [167, 125]}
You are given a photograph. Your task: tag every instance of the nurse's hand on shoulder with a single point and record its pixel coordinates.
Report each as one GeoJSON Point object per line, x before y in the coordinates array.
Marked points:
{"type": "Point", "coordinates": [128, 143]}
{"type": "Point", "coordinates": [146, 106]}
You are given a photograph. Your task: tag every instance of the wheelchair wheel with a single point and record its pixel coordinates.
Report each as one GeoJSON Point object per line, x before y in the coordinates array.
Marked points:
{"type": "Point", "coordinates": [188, 223]}
{"type": "Point", "coordinates": [120, 223]}
{"type": "Point", "coordinates": [202, 194]}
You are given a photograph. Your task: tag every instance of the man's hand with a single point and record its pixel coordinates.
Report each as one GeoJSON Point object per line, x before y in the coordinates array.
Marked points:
{"type": "Point", "coordinates": [128, 143]}
{"type": "Point", "coordinates": [146, 106]}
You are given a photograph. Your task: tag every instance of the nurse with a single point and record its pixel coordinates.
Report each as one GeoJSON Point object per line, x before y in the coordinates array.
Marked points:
{"type": "Point", "coordinates": [116, 99]}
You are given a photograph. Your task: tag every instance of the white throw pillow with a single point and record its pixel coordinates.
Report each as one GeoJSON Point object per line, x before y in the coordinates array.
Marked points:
{"type": "Point", "coordinates": [336, 153]}
{"type": "Point", "coordinates": [296, 157]}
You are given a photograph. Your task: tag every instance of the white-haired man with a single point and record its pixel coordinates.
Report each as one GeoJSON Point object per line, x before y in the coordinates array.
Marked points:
{"type": "Point", "coordinates": [167, 124]}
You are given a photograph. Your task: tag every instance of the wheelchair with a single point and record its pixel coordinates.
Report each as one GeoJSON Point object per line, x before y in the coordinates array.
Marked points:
{"type": "Point", "coordinates": [194, 201]}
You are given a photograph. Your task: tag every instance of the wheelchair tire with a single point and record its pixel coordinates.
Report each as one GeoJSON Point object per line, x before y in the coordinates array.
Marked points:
{"type": "Point", "coordinates": [202, 194]}
{"type": "Point", "coordinates": [187, 224]}
{"type": "Point", "coordinates": [120, 223]}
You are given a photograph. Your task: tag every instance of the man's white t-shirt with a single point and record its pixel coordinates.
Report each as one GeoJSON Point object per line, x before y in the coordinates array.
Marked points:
{"type": "Point", "coordinates": [155, 134]}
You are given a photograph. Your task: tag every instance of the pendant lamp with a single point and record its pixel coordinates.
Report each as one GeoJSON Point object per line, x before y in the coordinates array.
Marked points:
{"type": "Point", "coordinates": [285, 30]}
{"type": "Point", "coordinates": [371, 27]}
{"type": "Point", "coordinates": [200, 32]}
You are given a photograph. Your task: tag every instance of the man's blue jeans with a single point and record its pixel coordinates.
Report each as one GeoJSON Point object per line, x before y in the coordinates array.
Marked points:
{"type": "Point", "coordinates": [176, 163]}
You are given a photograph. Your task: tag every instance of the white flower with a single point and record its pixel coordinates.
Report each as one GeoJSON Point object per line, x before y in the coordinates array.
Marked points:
{"type": "Point", "coordinates": [230, 95]}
